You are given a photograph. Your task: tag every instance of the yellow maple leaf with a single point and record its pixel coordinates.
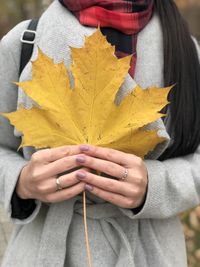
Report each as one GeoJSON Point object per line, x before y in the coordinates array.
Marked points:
{"type": "Point", "coordinates": [87, 113]}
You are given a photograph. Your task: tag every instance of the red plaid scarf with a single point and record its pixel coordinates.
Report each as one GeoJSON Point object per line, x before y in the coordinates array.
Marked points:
{"type": "Point", "coordinates": [119, 20]}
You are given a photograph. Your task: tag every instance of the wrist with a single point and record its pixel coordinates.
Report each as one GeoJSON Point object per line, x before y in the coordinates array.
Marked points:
{"type": "Point", "coordinates": [20, 186]}
{"type": "Point", "coordinates": [143, 200]}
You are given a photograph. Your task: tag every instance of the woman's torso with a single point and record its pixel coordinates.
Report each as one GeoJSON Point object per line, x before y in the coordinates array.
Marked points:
{"type": "Point", "coordinates": [153, 242]}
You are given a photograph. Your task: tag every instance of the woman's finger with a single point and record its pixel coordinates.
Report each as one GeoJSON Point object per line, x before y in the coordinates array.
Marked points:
{"type": "Point", "coordinates": [50, 185]}
{"type": "Point", "coordinates": [106, 184]}
{"type": "Point", "coordinates": [100, 165]}
{"type": "Point", "coordinates": [71, 178]}
{"type": "Point", "coordinates": [109, 154]}
{"type": "Point", "coordinates": [60, 166]}
{"type": "Point", "coordinates": [113, 198]}
{"type": "Point", "coordinates": [65, 194]}
{"type": "Point", "coordinates": [49, 155]}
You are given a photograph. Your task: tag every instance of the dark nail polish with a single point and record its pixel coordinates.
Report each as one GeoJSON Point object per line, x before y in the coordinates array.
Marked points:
{"type": "Point", "coordinates": [84, 147]}
{"type": "Point", "coordinates": [88, 187]}
{"type": "Point", "coordinates": [81, 175]}
{"type": "Point", "coordinates": [80, 159]}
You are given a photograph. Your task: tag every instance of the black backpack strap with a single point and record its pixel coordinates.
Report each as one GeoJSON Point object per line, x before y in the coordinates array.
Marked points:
{"type": "Point", "coordinates": [22, 209]}
{"type": "Point", "coordinates": [28, 39]}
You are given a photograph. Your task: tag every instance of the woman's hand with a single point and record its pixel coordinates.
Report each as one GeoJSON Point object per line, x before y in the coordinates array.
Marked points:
{"type": "Point", "coordinates": [38, 178]}
{"type": "Point", "coordinates": [128, 193]}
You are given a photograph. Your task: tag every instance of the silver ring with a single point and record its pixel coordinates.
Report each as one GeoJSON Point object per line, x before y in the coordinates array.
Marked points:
{"type": "Point", "coordinates": [125, 175]}
{"type": "Point", "coordinates": [59, 187]}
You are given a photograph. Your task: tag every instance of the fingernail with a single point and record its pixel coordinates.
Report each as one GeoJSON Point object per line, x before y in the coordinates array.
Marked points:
{"type": "Point", "coordinates": [88, 187]}
{"type": "Point", "coordinates": [81, 175]}
{"type": "Point", "coordinates": [80, 159]}
{"type": "Point", "coordinates": [84, 147]}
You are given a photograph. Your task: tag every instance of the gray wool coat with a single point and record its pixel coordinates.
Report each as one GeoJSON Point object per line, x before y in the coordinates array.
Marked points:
{"type": "Point", "coordinates": [54, 234]}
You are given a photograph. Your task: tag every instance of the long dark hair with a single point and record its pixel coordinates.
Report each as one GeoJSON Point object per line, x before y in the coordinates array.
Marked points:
{"type": "Point", "coordinates": [181, 67]}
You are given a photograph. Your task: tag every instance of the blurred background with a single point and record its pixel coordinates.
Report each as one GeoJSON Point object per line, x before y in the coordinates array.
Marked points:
{"type": "Point", "coordinates": [14, 11]}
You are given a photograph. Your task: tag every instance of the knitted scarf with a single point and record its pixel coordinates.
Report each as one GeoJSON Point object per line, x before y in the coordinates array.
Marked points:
{"type": "Point", "coordinates": [120, 21]}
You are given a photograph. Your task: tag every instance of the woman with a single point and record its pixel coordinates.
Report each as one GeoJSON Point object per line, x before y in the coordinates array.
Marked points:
{"type": "Point", "coordinates": [132, 220]}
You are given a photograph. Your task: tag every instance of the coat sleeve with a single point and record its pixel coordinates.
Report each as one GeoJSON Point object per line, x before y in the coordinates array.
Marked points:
{"type": "Point", "coordinates": [11, 161]}
{"type": "Point", "coordinates": [173, 185]}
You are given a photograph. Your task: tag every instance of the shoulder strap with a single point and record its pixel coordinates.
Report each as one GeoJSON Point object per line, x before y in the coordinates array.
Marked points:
{"type": "Point", "coordinates": [28, 40]}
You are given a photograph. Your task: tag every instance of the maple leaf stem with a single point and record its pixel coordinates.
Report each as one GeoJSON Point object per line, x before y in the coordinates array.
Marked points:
{"type": "Point", "coordinates": [86, 229]}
